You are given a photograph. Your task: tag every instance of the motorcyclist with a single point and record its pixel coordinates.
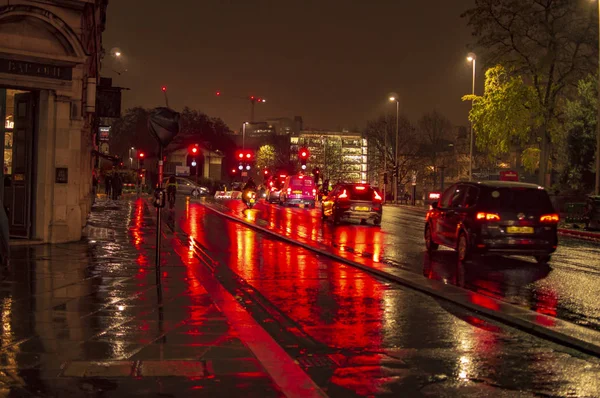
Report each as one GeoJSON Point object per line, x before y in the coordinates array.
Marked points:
{"type": "Point", "coordinates": [250, 186]}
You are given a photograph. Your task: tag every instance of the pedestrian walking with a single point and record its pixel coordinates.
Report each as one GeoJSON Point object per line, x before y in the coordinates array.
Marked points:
{"type": "Point", "coordinates": [117, 186]}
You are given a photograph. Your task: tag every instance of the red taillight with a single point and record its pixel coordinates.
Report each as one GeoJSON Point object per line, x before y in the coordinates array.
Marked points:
{"type": "Point", "coordinates": [314, 191]}
{"type": "Point", "coordinates": [272, 189]}
{"type": "Point", "coordinates": [289, 191]}
{"type": "Point", "coordinates": [550, 218]}
{"type": "Point", "coordinates": [359, 188]}
{"type": "Point", "coordinates": [487, 217]}
{"type": "Point", "coordinates": [377, 197]}
{"type": "Point", "coordinates": [343, 195]}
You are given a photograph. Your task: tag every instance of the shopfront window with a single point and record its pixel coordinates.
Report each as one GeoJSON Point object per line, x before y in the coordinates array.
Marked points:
{"type": "Point", "coordinates": [9, 125]}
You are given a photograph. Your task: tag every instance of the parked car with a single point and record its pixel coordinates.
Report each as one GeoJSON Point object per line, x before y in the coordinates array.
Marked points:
{"type": "Point", "coordinates": [353, 202]}
{"type": "Point", "coordinates": [493, 217]}
{"type": "Point", "coordinates": [188, 187]}
{"type": "Point", "coordinates": [298, 190]}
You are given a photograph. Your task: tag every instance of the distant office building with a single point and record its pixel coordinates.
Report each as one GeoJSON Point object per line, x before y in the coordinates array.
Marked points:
{"type": "Point", "coordinates": [341, 156]}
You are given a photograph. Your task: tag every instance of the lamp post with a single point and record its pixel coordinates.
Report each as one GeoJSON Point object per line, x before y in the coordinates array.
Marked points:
{"type": "Point", "coordinates": [394, 99]}
{"type": "Point", "coordinates": [244, 135]}
{"type": "Point", "coordinates": [473, 59]}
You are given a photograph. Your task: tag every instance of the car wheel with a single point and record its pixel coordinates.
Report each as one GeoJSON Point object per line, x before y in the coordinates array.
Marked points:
{"type": "Point", "coordinates": [377, 221]}
{"type": "Point", "coordinates": [463, 248]}
{"type": "Point", "coordinates": [545, 259]}
{"type": "Point", "coordinates": [429, 243]}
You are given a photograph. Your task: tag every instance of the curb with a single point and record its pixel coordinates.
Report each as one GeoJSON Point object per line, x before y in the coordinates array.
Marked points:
{"type": "Point", "coordinates": [581, 339]}
{"type": "Point", "coordinates": [579, 234]}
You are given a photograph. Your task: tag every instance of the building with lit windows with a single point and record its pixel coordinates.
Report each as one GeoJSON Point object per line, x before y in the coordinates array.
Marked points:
{"type": "Point", "coordinates": [340, 156]}
{"type": "Point", "coordinates": [50, 55]}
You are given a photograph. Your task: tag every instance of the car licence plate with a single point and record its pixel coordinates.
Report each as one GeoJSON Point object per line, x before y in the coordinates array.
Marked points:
{"type": "Point", "coordinates": [519, 230]}
{"type": "Point", "coordinates": [362, 208]}
{"type": "Point", "coordinates": [297, 192]}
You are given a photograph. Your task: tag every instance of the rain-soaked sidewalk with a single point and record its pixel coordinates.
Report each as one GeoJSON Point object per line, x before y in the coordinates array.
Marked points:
{"type": "Point", "coordinates": [86, 319]}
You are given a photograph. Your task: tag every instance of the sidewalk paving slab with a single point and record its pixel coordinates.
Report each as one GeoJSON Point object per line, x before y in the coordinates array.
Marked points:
{"type": "Point", "coordinates": [87, 318]}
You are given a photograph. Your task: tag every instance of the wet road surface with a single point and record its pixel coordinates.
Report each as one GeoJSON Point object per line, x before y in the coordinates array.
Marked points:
{"type": "Point", "coordinates": [357, 334]}
{"type": "Point", "coordinates": [566, 288]}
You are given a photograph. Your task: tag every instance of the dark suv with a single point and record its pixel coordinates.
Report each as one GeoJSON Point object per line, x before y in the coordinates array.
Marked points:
{"type": "Point", "coordinates": [353, 201]}
{"type": "Point", "coordinates": [494, 217]}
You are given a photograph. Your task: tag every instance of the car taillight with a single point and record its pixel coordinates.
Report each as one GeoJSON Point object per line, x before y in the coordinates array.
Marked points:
{"type": "Point", "coordinates": [487, 217]}
{"type": "Point", "coordinates": [377, 197]}
{"type": "Point", "coordinates": [343, 195]}
{"type": "Point", "coordinates": [550, 218]}
{"type": "Point", "coordinates": [314, 191]}
{"type": "Point", "coordinates": [289, 190]}
{"type": "Point", "coordinates": [272, 189]}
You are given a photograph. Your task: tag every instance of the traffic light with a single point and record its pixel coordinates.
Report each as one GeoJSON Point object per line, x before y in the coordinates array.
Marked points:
{"type": "Point", "coordinates": [316, 173]}
{"type": "Point", "coordinates": [245, 155]}
{"type": "Point", "coordinates": [164, 88]}
{"type": "Point", "coordinates": [303, 154]}
{"type": "Point", "coordinates": [141, 156]}
{"type": "Point", "coordinates": [194, 150]}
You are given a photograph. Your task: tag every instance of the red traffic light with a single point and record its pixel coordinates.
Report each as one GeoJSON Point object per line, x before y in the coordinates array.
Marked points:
{"type": "Point", "coordinates": [141, 155]}
{"type": "Point", "coordinates": [164, 88]}
{"type": "Point", "coordinates": [266, 172]}
{"type": "Point", "coordinates": [303, 153]}
{"type": "Point", "coordinates": [193, 149]}
{"type": "Point", "coordinates": [245, 155]}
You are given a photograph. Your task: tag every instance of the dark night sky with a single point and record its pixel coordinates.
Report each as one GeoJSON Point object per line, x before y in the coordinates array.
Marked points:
{"type": "Point", "coordinates": [331, 61]}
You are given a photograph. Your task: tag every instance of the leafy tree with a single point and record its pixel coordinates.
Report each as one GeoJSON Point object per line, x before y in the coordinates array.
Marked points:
{"type": "Point", "coordinates": [580, 129]}
{"type": "Point", "coordinates": [506, 115]}
{"type": "Point", "coordinates": [551, 43]}
{"type": "Point", "coordinates": [265, 157]}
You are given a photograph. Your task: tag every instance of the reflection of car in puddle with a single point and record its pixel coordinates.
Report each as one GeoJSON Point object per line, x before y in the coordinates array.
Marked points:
{"type": "Point", "coordinates": [500, 277]}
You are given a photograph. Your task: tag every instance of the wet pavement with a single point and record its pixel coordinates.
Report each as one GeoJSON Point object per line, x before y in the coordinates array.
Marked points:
{"type": "Point", "coordinates": [355, 334]}
{"type": "Point", "coordinates": [567, 288]}
{"type": "Point", "coordinates": [88, 319]}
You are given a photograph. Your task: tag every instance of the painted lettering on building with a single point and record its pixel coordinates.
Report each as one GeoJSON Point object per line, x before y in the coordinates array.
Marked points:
{"type": "Point", "coordinates": [34, 69]}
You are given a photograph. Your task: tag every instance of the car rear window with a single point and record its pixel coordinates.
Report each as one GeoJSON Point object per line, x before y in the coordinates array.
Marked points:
{"type": "Point", "coordinates": [516, 199]}
{"type": "Point", "coordinates": [356, 193]}
{"type": "Point", "coordinates": [306, 182]}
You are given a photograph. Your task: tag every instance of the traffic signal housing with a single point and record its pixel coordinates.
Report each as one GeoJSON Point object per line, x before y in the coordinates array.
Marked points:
{"type": "Point", "coordinates": [194, 150]}
{"type": "Point", "coordinates": [316, 174]}
{"type": "Point", "coordinates": [141, 157]}
{"type": "Point", "coordinates": [303, 155]}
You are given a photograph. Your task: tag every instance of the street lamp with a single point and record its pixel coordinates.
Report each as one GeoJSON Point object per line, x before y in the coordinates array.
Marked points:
{"type": "Point", "coordinates": [117, 54]}
{"type": "Point", "coordinates": [394, 99]}
{"type": "Point", "coordinates": [471, 58]}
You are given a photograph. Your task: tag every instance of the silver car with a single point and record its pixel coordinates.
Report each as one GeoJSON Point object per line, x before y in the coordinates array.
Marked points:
{"type": "Point", "coordinates": [188, 187]}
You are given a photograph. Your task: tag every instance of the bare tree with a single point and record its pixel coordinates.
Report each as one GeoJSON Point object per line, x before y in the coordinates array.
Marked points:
{"type": "Point", "coordinates": [552, 43]}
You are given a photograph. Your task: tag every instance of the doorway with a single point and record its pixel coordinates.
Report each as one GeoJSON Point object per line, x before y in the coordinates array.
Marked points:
{"type": "Point", "coordinates": [19, 124]}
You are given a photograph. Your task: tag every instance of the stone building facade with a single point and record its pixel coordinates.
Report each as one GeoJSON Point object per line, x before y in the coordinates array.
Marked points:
{"type": "Point", "coordinates": [50, 53]}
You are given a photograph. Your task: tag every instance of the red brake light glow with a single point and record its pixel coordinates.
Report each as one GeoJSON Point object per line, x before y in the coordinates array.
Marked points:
{"type": "Point", "coordinates": [359, 188]}
{"type": "Point", "coordinates": [289, 191]}
{"type": "Point", "coordinates": [343, 195]}
{"type": "Point", "coordinates": [550, 218]}
{"type": "Point", "coordinates": [377, 197]}
{"type": "Point", "coordinates": [487, 217]}
{"type": "Point", "coordinates": [314, 191]}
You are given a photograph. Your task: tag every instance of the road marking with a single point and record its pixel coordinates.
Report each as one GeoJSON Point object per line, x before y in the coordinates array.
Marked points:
{"type": "Point", "coordinates": [282, 368]}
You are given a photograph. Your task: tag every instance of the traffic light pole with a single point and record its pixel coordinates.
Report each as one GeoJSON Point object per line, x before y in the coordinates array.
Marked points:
{"type": "Point", "coordinates": [158, 216]}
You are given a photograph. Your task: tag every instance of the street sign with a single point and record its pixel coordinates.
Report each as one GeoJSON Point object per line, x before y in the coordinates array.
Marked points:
{"type": "Point", "coordinates": [182, 170]}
